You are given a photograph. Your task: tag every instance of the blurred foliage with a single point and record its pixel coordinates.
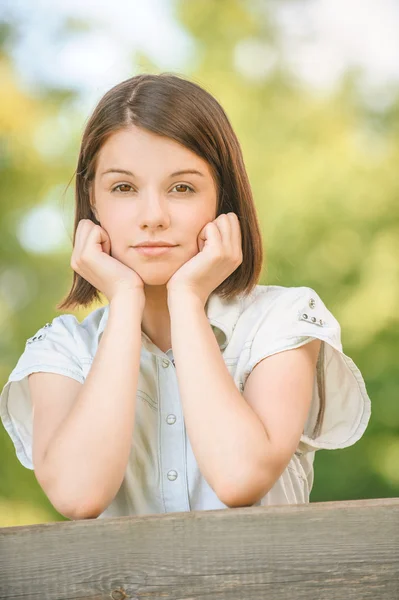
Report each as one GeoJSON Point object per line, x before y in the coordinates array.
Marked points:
{"type": "Point", "coordinates": [324, 175]}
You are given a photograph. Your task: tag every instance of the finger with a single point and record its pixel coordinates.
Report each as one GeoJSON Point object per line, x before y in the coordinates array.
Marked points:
{"type": "Point", "coordinates": [100, 238]}
{"type": "Point", "coordinates": [236, 241]}
{"type": "Point", "coordinates": [225, 226]}
{"type": "Point", "coordinates": [235, 227]}
{"type": "Point", "coordinates": [210, 236]}
{"type": "Point", "coordinates": [104, 239]}
{"type": "Point", "coordinates": [82, 232]}
{"type": "Point", "coordinates": [107, 245]}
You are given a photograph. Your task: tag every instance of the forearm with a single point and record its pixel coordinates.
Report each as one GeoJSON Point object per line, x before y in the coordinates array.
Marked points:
{"type": "Point", "coordinates": [228, 439]}
{"type": "Point", "coordinates": [87, 458]}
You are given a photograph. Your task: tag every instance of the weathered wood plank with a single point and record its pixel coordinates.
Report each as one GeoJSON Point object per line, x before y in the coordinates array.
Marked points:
{"type": "Point", "coordinates": [325, 551]}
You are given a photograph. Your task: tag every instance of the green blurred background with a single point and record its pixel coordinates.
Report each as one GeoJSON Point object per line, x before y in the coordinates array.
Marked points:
{"type": "Point", "coordinates": [314, 101]}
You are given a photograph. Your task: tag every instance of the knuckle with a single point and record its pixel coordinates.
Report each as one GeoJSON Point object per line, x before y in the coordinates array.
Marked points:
{"type": "Point", "coordinates": [74, 265]}
{"type": "Point", "coordinates": [80, 259]}
{"type": "Point", "coordinates": [83, 258]}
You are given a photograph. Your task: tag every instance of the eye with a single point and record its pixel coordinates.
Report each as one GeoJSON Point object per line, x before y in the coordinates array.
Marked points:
{"type": "Point", "coordinates": [184, 185]}
{"type": "Point", "coordinates": [120, 185]}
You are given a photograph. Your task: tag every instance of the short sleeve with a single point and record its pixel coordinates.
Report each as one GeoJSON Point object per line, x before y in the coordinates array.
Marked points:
{"type": "Point", "coordinates": [340, 408]}
{"type": "Point", "coordinates": [55, 348]}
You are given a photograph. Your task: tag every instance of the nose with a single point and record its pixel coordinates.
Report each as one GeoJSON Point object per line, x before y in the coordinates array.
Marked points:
{"type": "Point", "coordinates": [153, 211]}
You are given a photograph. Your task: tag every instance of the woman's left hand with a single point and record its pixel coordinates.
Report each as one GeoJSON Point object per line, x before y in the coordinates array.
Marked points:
{"type": "Point", "coordinates": [219, 255]}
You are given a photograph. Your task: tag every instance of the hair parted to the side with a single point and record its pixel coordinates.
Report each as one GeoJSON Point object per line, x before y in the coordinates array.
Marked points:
{"type": "Point", "coordinates": [174, 107]}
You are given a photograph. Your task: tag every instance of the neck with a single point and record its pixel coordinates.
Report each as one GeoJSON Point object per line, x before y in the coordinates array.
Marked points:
{"type": "Point", "coordinates": [155, 322]}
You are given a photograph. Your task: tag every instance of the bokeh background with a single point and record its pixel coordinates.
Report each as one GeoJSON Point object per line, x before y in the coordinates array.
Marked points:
{"type": "Point", "coordinates": [312, 90]}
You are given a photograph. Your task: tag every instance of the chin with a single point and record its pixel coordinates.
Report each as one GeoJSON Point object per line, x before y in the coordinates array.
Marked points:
{"type": "Point", "coordinates": [155, 278]}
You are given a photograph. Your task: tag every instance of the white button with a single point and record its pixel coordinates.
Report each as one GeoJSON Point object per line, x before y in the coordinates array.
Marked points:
{"type": "Point", "coordinates": [165, 363]}
{"type": "Point", "coordinates": [172, 475]}
{"type": "Point", "coordinates": [170, 419]}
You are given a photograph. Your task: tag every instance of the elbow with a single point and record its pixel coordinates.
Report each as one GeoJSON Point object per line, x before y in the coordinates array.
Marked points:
{"type": "Point", "coordinates": [85, 514]}
{"type": "Point", "coordinates": [73, 508]}
{"type": "Point", "coordinates": [240, 498]}
{"type": "Point", "coordinates": [247, 492]}
{"type": "Point", "coordinates": [77, 512]}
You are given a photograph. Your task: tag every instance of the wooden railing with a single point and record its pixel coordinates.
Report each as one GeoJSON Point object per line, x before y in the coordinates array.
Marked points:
{"type": "Point", "coordinates": [319, 551]}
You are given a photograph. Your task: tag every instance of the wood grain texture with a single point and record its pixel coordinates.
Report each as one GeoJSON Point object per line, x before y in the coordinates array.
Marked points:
{"type": "Point", "coordinates": [320, 551]}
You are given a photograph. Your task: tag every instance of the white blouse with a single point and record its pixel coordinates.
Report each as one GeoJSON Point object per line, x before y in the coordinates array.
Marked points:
{"type": "Point", "coordinates": [162, 473]}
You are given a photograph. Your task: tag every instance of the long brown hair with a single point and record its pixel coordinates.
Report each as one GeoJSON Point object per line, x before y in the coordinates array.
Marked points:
{"type": "Point", "coordinates": [171, 106]}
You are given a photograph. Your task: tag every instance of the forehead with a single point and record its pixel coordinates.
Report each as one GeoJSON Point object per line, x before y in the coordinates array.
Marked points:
{"type": "Point", "coordinates": [142, 151]}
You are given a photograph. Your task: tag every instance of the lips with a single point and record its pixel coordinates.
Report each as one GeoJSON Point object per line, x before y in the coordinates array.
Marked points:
{"type": "Point", "coordinates": [153, 250]}
{"type": "Point", "coordinates": [154, 244]}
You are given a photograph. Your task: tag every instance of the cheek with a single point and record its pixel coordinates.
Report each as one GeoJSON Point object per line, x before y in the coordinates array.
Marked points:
{"type": "Point", "coordinates": [194, 223]}
{"type": "Point", "coordinates": [115, 233]}
{"type": "Point", "coordinates": [113, 221]}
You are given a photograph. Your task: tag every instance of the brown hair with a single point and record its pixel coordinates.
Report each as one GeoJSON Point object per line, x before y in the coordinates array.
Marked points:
{"type": "Point", "coordinates": [171, 106]}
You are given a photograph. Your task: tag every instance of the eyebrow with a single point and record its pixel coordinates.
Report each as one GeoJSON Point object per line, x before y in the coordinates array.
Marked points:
{"type": "Point", "coordinates": [175, 174]}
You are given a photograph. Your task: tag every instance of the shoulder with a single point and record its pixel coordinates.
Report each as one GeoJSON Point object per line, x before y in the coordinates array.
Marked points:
{"type": "Point", "coordinates": [272, 312]}
{"type": "Point", "coordinates": [66, 332]}
{"type": "Point", "coordinates": [279, 301]}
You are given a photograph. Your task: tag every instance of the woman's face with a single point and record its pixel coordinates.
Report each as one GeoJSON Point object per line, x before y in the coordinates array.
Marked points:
{"type": "Point", "coordinates": [152, 200]}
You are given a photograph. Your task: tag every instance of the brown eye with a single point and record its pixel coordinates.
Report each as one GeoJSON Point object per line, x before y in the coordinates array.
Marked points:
{"type": "Point", "coordinates": [122, 185]}
{"type": "Point", "coordinates": [183, 185]}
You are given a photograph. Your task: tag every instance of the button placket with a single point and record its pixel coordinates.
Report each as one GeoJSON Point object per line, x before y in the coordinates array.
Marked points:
{"type": "Point", "coordinates": [172, 442]}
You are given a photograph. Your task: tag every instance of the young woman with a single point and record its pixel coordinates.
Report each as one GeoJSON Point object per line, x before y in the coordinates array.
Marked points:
{"type": "Point", "coordinates": [194, 387]}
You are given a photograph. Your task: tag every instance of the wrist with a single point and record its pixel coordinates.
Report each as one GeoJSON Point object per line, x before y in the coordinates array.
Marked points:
{"type": "Point", "coordinates": [182, 298]}
{"type": "Point", "coordinates": [126, 299]}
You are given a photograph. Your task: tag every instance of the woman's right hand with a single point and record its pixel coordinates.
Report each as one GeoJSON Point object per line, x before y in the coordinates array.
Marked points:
{"type": "Point", "coordinates": [91, 259]}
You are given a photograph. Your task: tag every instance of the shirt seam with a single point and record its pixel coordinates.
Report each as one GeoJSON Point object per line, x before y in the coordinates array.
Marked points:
{"type": "Point", "coordinates": [293, 470]}
{"type": "Point", "coordinates": [53, 368]}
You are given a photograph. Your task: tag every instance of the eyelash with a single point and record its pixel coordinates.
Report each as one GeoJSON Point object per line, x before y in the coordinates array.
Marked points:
{"type": "Point", "coordinates": [177, 184]}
